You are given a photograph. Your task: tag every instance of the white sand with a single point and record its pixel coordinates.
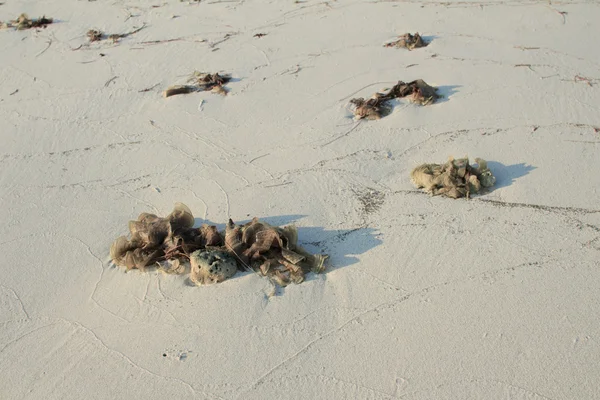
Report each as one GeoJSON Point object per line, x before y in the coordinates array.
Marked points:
{"type": "Point", "coordinates": [433, 298]}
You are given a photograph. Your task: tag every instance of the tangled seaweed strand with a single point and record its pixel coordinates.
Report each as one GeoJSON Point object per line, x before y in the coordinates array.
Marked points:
{"type": "Point", "coordinates": [455, 179]}
{"type": "Point", "coordinates": [24, 22]}
{"type": "Point", "coordinates": [201, 81]}
{"type": "Point", "coordinates": [376, 107]}
{"type": "Point", "coordinates": [172, 242]}
{"type": "Point", "coordinates": [408, 41]}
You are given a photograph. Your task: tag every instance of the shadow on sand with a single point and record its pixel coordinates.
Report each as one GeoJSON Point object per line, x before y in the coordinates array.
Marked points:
{"type": "Point", "coordinates": [446, 92]}
{"type": "Point", "coordinates": [429, 38]}
{"type": "Point", "coordinates": [506, 174]}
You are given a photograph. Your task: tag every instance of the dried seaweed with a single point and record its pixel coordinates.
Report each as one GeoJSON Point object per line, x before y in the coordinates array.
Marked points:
{"type": "Point", "coordinates": [171, 243]}
{"type": "Point", "coordinates": [272, 251]}
{"type": "Point", "coordinates": [377, 106]}
{"type": "Point", "coordinates": [24, 22]}
{"type": "Point", "coordinates": [95, 35]}
{"type": "Point", "coordinates": [408, 41]}
{"type": "Point", "coordinates": [155, 239]}
{"type": "Point", "coordinates": [200, 82]}
{"type": "Point", "coordinates": [454, 179]}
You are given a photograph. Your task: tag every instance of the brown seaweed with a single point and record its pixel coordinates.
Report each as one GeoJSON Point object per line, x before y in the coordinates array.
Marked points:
{"type": "Point", "coordinates": [95, 35]}
{"type": "Point", "coordinates": [408, 41]}
{"type": "Point", "coordinates": [454, 179]}
{"type": "Point", "coordinates": [200, 82]}
{"type": "Point", "coordinates": [24, 22]}
{"type": "Point", "coordinates": [273, 251]}
{"type": "Point", "coordinates": [377, 106]}
{"type": "Point", "coordinates": [171, 243]}
{"type": "Point", "coordinates": [155, 239]}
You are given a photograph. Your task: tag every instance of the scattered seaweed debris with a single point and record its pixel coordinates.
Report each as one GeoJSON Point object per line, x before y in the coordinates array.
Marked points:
{"type": "Point", "coordinates": [455, 179]}
{"type": "Point", "coordinates": [172, 244]}
{"type": "Point", "coordinates": [376, 107]}
{"type": "Point", "coordinates": [259, 35]}
{"type": "Point", "coordinates": [24, 22]}
{"type": "Point", "coordinates": [95, 35]}
{"type": "Point", "coordinates": [408, 41]}
{"type": "Point", "coordinates": [200, 82]}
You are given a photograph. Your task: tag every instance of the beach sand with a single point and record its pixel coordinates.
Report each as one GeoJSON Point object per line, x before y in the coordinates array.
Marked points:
{"type": "Point", "coordinates": [495, 297]}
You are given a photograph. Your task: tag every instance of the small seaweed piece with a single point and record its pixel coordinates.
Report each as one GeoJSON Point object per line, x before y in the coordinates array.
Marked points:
{"type": "Point", "coordinates": [95, 35]}
{"type": "Point", "coordinates": [408, 41]}
{"type": "Point", "coordinates": [369, 109]}
{"type": "Point", "coordinates": [24, 22]}
{"type": "Point", "coordinates": [199, 82]}
{"type": "Point", "coordinates": [377, 106]}
{"type": "Point", "coordinates": [205, 81]}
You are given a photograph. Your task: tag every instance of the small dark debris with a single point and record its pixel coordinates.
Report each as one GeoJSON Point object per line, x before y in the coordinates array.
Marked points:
{"type": "Point", "coordinates": [259, 35]}
{"type": "Point", "coordinates": [94, 35]}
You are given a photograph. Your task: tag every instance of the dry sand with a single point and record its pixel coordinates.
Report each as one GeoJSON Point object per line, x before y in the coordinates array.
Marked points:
{"type": "Point", "coordinates": [425, 298]}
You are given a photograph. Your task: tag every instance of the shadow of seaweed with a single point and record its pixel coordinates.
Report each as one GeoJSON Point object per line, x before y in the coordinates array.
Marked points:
{"type": "Point", "coordinates": [445, 92]}
{"type": "Point", "coordinates": [429, 38]}
{"type": "Point", "coordinates": [506, 174]}
{"type": "Point", "coordinates": [342, 245]}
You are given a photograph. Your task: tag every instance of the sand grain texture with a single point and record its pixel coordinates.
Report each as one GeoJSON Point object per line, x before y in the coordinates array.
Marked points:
{"type": "Point", "coordinates": [427, 298]}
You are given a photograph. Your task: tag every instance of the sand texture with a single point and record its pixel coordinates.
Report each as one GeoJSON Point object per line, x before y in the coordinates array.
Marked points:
{"type": "Point", "coordinates": [423, 298]}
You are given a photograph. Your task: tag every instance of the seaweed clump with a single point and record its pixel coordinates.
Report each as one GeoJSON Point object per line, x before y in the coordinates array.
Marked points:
{"type": "Point", "coordinates": [24, 22]}
{"type": "Point", "coordinates": [171, 239]}
{"type": "Point", "coordinates": [408, 41]}
{"type": "Point", "coordinates": [454, 179]}
{"type": "Point", "coordinates": [200, 82]}
{"type": "Point", "coordinates": [377, 106]}
{"type": "Point", "coordinates": [272, 251]}
{"type": "Point", "coordinates": [172, 243]}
